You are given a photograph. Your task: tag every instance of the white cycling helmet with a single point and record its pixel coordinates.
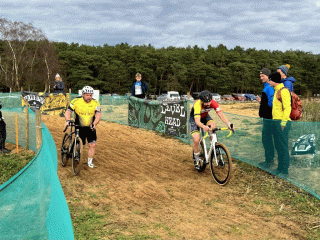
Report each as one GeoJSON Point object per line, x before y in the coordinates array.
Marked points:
{"type": "Point", "coordinates": [87, 89]}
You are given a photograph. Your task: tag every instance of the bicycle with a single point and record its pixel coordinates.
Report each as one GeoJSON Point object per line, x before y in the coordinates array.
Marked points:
{"type": "Point", "coordinates": [217, 156]}
{"type": "Point", "coordinates": [72, 147]}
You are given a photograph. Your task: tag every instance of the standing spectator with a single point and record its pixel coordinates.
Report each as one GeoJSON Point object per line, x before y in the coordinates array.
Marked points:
{"type": "Point", "coordinates": [58, 85]}
{"type": "Point", "coordinates": [282, 122]}
{"type": "Point", "coordinates": [287, 81]}
{"type": "Point", "coordinates": [139, 88]}
{"type": "Point", "coordinates": [3, 134]}
{"type": "Point", "coordinates": [265, 112]}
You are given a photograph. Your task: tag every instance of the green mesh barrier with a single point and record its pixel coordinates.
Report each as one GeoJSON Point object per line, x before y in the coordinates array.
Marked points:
{"type": "Point", "coordinates": [304, 156]}
{"type": "Point", "coordinates": [10, 100]}
{"type": "Point", "coordinates": [32, 203]}
{"type": "Point", "coordinates": [24, 131]}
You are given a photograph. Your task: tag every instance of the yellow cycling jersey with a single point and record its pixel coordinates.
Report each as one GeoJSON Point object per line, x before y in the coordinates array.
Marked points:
{"type": "Point", "coordinates": [85, 112]}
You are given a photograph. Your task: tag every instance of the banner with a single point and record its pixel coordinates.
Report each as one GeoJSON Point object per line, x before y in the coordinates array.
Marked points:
{"type": "Point", "coordinates": [34, 100]}
{"type": "Point", "coordinates": [49, 103]}
{"type": "Point", "coordinates": [173, 114]}
{"type": "Point", "coordinates": [165, 117]}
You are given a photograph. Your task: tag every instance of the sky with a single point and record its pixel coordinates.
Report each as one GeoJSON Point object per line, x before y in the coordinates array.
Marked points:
{"type": "Point", "coordinates": [271, 25]}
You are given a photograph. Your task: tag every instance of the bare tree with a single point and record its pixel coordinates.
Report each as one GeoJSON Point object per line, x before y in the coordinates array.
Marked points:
{"type": "Point", "coordinates": [17, 59]}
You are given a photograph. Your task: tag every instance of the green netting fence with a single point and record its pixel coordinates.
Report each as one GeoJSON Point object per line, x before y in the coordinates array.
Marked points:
{"type": "Point", "coordinates": [35, 194]}
{"type": "Point", "coordinates": [32, 203]}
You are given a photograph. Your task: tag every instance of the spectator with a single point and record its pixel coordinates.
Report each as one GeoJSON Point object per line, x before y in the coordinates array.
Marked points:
{"type": "Point", "coordinates": [139, 88]}
{"type": "Point", "coordinates": [265, 112]}
{"type": "Point", "coordinates": [58, 85]}
{"type": "Point", "coordinates": [3, 134]}
{"type": "Point", "coordinates": [287, 81]}
{"type": "Point", "coordinates": [282, 123]}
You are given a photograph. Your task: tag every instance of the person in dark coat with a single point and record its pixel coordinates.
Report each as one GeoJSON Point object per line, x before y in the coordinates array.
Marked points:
{"type": "Point", "coordinates": [3, 134]}
{"type": "Point", "coordinates": [139, 88]}
{"type": "Point", "coordinates": [265, 112]}
{"type": "Point", "coordinates": [58, 85]}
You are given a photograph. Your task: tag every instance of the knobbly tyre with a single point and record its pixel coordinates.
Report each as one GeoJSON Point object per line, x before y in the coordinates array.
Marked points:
{"type": "Point", "coordinates": [217, 156]}
{"type": "Point", "coordinates": [72, 147]}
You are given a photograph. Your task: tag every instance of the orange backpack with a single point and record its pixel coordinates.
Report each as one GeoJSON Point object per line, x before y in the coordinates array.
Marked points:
{"type": "Point", "coordinates": [296, 105]}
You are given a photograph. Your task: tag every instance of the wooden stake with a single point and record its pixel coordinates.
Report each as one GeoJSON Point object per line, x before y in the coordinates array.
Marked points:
{"type": "Point", "coordinates": [38, 129]}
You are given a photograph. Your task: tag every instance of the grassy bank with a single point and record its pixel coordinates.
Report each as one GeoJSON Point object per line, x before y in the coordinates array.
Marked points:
{"type": "Point", "coordinates": [10, 164]}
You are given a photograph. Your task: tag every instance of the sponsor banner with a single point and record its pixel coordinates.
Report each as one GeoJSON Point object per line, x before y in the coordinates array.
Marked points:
{"type": "Point", "coordinates": [53, 103]}
{"type": "Point", "coordinates": [34, 100]}
{"type": "Point", "coordinates": [165, 117]}
{"type": "Point", "coordinates": [174, 116]}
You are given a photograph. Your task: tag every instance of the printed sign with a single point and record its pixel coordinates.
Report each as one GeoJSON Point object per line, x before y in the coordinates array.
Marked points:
{"type": "Point", "coordinates": [174, 117]}
{"type": "Point", "coordinates": [164, 117]}
{"type": "Point", "coordinates": [34, 100]}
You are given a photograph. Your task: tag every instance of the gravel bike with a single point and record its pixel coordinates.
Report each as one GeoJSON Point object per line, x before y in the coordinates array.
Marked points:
{"type": "Point", "coordinates": [217, 156]}
{"type": "Point", "coordinates": [72, 147]}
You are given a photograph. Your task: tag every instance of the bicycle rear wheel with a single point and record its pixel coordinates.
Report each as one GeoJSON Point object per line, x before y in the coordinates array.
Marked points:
{"type": "Point", "coordinates": [64, 151]}
{"type": "Point", "coordinates": [202, 162]}
{"type": "Point", "coordinates": [221, 167]}
{"type": "Point", "coordinates": [76, 156]}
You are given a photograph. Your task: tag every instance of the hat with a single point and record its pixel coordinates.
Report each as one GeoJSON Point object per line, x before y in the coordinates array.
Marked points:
{"type": "Point", "coordinates": [138, 75]}
{"type": "Point", "coordinates": [57, 75]}
{"type": "Point", "coordinates": [284, 69]}
{"type": "Point", "coordinates": [275, 77]}
{"type": "Point", "coordinates": [265, 71]}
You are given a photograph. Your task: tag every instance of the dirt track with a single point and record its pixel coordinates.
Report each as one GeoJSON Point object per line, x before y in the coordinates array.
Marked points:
{"type": "Point", "coordinates": [147, 183]}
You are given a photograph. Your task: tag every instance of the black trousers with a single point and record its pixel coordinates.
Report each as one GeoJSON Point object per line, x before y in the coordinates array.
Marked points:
{"type": "Point", "coordinates": [267, 140]}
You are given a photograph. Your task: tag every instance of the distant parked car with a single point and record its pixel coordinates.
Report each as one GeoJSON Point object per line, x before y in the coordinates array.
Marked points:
{"type": "Point", "coordinates": [239, 96]}
{"type": "Point", "coordinates": [250, 97]}
{"type": "Point", "coordinates": [162, 97]}
{"type": "Point", "coordinates": [227, 97]}
{"type": "Point", "coordinates": [186, 97]}
{"type": "Point", "coordinates": [216, 97]}
{"type": "Point", "coordinates": [115, 95]}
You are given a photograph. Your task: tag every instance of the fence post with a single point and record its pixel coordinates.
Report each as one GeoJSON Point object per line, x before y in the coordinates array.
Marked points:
{"type": "Point", "coordinates": [38, 129]}
{"type": "Point", "coordinates": [26, 110]}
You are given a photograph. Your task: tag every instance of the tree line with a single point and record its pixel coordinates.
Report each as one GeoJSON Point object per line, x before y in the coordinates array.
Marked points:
{"type": "Point", "coordinates": [30, 61]}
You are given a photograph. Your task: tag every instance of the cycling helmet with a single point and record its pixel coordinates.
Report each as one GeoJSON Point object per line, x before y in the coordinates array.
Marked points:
{"type": "Point", "coordinates": [205, 96]}
{"type": "Point", "coordinates": [87, 89]}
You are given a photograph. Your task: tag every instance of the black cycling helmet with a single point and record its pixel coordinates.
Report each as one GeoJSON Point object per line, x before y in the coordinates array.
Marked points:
{"type": "Point", "coordinates": [205, 96]}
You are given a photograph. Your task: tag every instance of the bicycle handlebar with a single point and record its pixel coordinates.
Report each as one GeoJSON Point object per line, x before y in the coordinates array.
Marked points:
{"type": "Point", "coordinates": [221, 129]}
{"type": "Point", "coordinates": [71, 123]}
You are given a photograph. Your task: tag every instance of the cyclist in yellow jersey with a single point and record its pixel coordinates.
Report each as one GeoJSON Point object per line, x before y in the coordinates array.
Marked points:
{"type": "Point", "coordinates": [200, 118]}
{"type": "Point", "coordinates": [88, 115]}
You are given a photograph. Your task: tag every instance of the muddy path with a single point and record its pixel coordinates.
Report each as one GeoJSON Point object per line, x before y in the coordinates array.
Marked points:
{"type": "Point", "coordinates": [145, 182]}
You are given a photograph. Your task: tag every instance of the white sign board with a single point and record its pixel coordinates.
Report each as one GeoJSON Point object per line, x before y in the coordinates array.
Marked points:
{"type": "Point", "coordinates": [96, 94]}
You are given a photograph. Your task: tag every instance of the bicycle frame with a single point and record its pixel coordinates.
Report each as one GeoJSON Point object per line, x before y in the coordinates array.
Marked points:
{"type": "Point", "coordinates": [213, 141]}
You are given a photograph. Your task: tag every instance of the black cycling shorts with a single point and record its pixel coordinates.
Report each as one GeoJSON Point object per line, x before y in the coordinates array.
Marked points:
{"type": "Point", "coordinates": [86, 133]}
{"type": "Point", "coordinates": [193, 126]}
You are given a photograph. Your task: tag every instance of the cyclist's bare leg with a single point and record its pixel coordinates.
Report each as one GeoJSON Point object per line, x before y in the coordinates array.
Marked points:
{"type": "Point", "coordinates": [196, 140]}
{"type": "Point", "coordinates": [91, 150]}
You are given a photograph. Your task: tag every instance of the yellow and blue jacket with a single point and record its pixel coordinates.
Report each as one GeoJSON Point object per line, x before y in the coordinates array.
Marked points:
{"type": "Point", "coordinates": [281, 110]}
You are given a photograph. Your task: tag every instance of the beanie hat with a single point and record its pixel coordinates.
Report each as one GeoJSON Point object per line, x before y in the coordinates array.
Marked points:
{"type": "Point", "coordinates": [265, 71]}
{"type": "Point", "coordinates": [284, 69]}
{"type": "Point", "coordinates": [275, 77]}
{"type": "Point", "coordinates": [57, 75]}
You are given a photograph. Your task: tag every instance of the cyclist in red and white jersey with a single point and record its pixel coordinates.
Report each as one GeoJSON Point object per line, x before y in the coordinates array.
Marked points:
{"type": "Point", "coordinates": [200, 118]}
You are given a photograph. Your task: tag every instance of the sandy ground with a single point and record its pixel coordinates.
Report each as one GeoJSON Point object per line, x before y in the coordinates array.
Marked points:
{"type": "Point", "coordinates": [146, 183]}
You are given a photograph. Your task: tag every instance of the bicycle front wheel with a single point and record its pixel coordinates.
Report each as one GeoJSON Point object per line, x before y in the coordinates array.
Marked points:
{"type": "Point", "coordinates": [64, 151]}
{"type": "Point", "coordinates": [221, 166]}
{"type": "Point", "coordinates": [76, 156]}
